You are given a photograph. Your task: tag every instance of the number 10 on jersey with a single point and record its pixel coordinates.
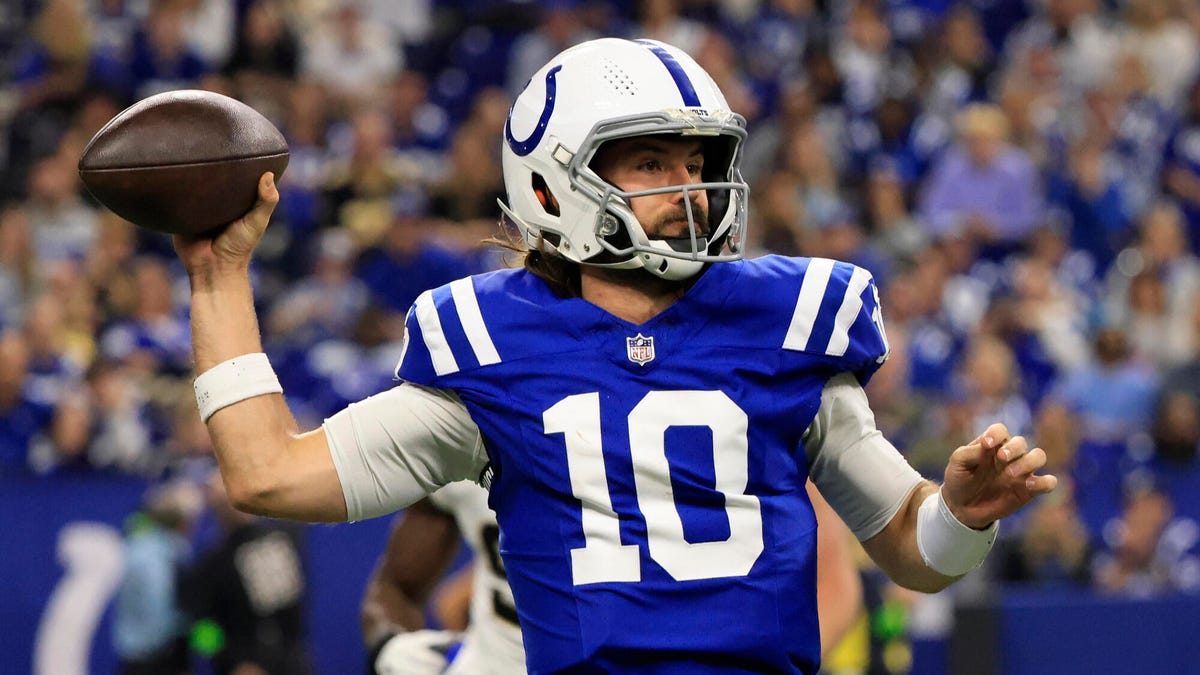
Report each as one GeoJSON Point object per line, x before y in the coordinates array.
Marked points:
{"type": "Point", "coordinates": [603, 558]}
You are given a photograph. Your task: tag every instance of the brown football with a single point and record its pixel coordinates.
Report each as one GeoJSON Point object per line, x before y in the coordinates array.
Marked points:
{"type": "Point", "coordinates": [182, 162]}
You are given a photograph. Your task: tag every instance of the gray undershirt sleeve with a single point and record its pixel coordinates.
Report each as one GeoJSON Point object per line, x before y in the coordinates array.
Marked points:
{"type": "Point", "coordinates": [396, 447]}
{"type": "Point", "coordinates": [858, 471]}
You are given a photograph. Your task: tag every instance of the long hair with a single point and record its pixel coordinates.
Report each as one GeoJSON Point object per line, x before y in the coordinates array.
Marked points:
{"type": "Point", "coordinates": [560, 274]}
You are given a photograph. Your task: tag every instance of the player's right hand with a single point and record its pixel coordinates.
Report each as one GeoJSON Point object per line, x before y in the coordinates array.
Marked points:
{"type": "Point", "coordinates": [422, 652]}
{"type": "Point", "coordinates": [232, 246]}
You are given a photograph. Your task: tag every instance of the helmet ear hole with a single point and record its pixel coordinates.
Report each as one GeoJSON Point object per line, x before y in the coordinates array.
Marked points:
{"type": "Point", "coordinates": [544, 195]}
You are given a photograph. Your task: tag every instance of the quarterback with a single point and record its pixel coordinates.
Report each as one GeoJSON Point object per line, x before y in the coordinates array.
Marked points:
{"type": "Point", "coordinates": [643, 405]}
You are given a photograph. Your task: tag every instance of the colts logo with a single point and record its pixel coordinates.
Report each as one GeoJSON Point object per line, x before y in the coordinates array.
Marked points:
{"type": "Point", "coordinates": [522, 148]}
{"type": "Point", "coordinates": [640, 349]}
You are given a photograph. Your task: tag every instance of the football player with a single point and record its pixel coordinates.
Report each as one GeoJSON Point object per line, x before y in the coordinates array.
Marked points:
{"type": "Point", "coordinates": [421, 546]}
{"type": "Point", "coordinates": [643, 405]}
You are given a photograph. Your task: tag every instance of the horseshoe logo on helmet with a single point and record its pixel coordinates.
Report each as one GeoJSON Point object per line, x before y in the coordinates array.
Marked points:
{"type": "Point", "coordinates": [522, 148]}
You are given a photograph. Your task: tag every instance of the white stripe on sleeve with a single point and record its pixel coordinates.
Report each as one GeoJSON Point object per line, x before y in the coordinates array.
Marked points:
{"type": "Point", "coordinates": [435, 340]}
{"type": "Point", "coordinates": [812, 292]}
{"type": "Point", "coordinates": [839, 341]}
{"type": "Point", "coordinates": [472, 322]}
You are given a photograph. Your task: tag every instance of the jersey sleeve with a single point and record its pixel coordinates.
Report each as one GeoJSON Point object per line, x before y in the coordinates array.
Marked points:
{"type": "Point", "coordinates": [396, 447]}
{"type": "Point", "coordinates": [416, 363]}
{"type": "Point", "coordinates": [445, 337]}
{"type": "Point", "coordinates": [837, 314]}
{"type": "Point", "coordinates": [859, 472]}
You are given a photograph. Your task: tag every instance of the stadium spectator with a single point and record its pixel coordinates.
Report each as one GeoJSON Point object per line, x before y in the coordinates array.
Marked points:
{"type": "Point", "coordinates": [1167, 272]}
{"type": "Point", "coordinates": [350, 55]}
{"type": "Point", "coordinates": [1184, 378]}
{"type": "Point", "coordinates": [871, 65]}
{"type": "Point", "coordinates": [1181, 163]}
{"type": "Point", "coordinates": [1113, 395]}
{"type": "Point", "coordinates": [149, 626]}
{"type": "Point", "coordinates": [1081, 39]}
{"type": "Point", "coordinates": [1043, 321]}
{"type": "Point", "coordinates": [410, 257]}
{"type": "Point", "coordinates": [1150, 551]}
{"type": "Point", "coordinates": [210, 28]}
{"type": "Point", "coordinates": [558, 26]}
{"type": "Point", "coordinates": [161, 58]}
{"type": "Point", "coordinates": [1092, 203]}
{"type": "Point", "coordinates": [358, 188]}
{"type": "Point", "coordinates": [154, 337]}
{"type": "Point", "coordinates": [326, 303]}
{"type": "Point", "coordinates": [114, 24]}
{"type": "Point", "coordinates": [887, 217]}
{"type": "Point", "coordinates": [120, 420]}
{"type": "Point", "coordinates": [983, 187]}
{"type": "Point", "coordinates": [54, 61]}
{"type": "Point", "coordinates": [1157, 33]}
{"type": "Point", "coordinates": [265, 57]}
{"type": "Point", "coordinates": [23, 416]}
{"type": "Point", "coordinates": [963, 73]}
{"type": "Point", "coordinates": [1156, 336]}
{"type": "Point", "coordinates": [989, 373]}
{"type": "Point", "coordinates": [62, 225]}
{"type": "Point", "coordinates": [471, 183]}
{"type": "Point", "coordinates": [664, 20]}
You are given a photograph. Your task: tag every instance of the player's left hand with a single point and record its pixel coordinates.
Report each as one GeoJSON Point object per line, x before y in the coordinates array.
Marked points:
{"type": "Point", "coordinates": [993, 476]}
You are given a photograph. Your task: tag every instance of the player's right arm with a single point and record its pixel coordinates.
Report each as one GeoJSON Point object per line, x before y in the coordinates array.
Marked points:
{"type": "Point", "coordinates": [376, 456]}
{"type": "Point", "coordinates": [268, 466]}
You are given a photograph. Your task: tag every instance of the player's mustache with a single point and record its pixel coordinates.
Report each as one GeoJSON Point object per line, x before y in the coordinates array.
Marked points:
{"type": "Point", "coordinates": [699, 214]}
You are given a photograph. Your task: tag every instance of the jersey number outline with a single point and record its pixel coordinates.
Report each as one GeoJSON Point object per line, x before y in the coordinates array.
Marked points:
{"type": "Point", "coordinates": [603, 558]}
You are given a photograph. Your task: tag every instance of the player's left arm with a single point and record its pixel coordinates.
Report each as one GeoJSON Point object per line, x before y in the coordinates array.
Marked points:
{"type": "Point", "coordinates": [986, 480]}
{"type": "Point", "coordinates": [922, 535]}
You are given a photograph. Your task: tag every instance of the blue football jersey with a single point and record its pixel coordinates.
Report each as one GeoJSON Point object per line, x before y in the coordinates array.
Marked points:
{"type": "Point", "coordinates": [649, 479]}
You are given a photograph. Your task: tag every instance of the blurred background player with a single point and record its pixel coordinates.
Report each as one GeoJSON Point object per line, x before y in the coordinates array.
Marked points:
{"type": "Point", "coordinates": [422, 545]}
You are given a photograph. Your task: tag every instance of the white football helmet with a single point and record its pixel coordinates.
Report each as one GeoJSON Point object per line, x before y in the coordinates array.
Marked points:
{"type": "Point", "coordinates": [603, 90]}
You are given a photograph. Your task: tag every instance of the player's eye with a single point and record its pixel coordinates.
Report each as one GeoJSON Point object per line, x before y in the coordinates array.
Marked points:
{"type": "Point", "coordinates": [694, 169]}
{"type": "Point", "coordinates": [651, 165]}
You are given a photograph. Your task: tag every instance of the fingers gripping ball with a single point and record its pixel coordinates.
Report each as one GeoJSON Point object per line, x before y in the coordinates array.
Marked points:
{"type": "Point", "coordinates": [182, 162]}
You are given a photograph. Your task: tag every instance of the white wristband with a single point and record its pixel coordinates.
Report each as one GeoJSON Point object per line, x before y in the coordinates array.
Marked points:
{"type": "Point", "coordinates": [948, 546]}
{"type": "Point", "coordinates": [237, 379]}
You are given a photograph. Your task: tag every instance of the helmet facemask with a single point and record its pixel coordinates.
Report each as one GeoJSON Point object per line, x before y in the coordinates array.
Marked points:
{"type": "Point", "coordinates": [617, 230]}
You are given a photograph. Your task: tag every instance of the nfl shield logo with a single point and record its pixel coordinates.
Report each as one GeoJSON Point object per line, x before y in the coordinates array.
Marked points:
{"type": "Point", "coordinates": [641, 349]}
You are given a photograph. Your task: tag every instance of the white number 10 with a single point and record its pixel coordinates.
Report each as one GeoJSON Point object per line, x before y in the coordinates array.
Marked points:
{"type": "Point", "coordinates": [603, 556]}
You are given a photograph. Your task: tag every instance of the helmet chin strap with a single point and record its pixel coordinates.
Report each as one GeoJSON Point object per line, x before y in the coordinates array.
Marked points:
{"type": "Point", "coordinates": [665, 266]}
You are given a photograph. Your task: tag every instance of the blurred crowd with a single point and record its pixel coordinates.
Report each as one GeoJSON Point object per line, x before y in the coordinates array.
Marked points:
{"type": "Point", "coordinates": [1022, 177]}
